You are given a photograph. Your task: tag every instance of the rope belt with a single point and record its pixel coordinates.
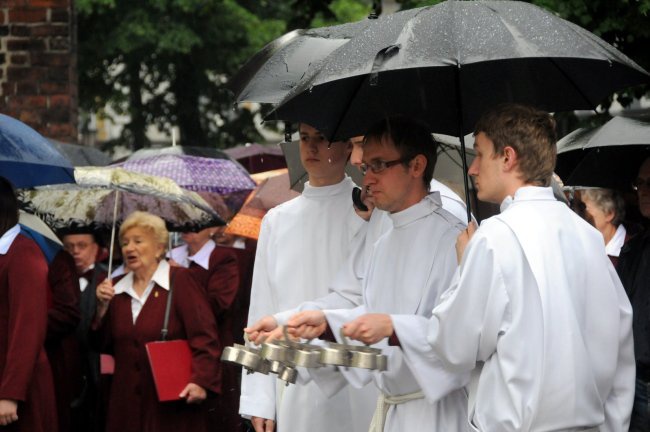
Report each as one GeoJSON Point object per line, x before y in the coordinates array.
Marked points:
{"type": "Point", "coordinates": [384, 402]}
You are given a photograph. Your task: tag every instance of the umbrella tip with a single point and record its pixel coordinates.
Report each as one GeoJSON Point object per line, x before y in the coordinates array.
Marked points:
{"type": "Point", "coordinates": [376, 10]}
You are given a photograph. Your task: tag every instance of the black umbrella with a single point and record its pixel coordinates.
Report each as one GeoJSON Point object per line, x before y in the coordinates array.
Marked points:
{"type": "Point", "coordinates": [276, 69]}
{"type": "Point", "coordinates": [446, 64]}
{"type": "Point", "coordinates": [606, 156]}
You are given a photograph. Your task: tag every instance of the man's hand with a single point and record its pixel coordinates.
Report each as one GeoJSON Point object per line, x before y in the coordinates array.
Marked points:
{"type": "Point", "coordinates": [193, 393]}
{"type": "Point", "coordinates": [463, 238]}
{"type": "Point", "coordinates": [262, 425]}
{"type": "Point", "coordinates": [307, 324]}
{"type": "Point", "coordinates": [8, 411]}
{"type": "Point", "coordinates": [257, 333]}
{"type": "Point", "coordinates": [369, 328]}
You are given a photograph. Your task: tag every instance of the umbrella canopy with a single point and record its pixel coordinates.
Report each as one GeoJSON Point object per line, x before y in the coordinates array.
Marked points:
{"type": "Point", "coordinates": [257, 157]}
{"type": "Point", "coordinates": [606, 156]}
{"type": "Point", "coordinates": [273, 189]}
{"type": "Point", "coordinates": [446, 64]}
{"type": "Point", "coordinates": [271, 73]}
{"type": "Point", "coordinates": [220, 181]}
{"type": "Point", "coordinates": [208, 152]}
{"type": "Point", "coordinates": [92, 200]}
{"type": "Point", "coordinates": [297, 174]}
{"type": "Point", "coordinates": [28, 159]}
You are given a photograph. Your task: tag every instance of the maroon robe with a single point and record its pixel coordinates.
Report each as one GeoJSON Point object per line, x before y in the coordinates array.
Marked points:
{"type": "Point", "coordinates": [62, 319]}
{"type": "Point", "coordinates": [133, 404]}
{"type": "Point", "coordinates": [25, 373]}
{"type": "Point", "coordinates": [221, 284]}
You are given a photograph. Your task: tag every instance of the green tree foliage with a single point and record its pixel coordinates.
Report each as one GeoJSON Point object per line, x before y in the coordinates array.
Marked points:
{"type": "Point", "coordinates": [167, 62]}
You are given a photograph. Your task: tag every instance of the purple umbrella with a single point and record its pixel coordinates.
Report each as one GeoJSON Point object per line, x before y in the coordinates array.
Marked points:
{"type": "Point", "coordinates": [222, 182]}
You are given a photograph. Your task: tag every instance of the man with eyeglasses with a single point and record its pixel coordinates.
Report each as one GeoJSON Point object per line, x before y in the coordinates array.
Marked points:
{"type": "Point", "coordinates": [409, 266]}
{"type": "Point", "coordinates": [634, 270]}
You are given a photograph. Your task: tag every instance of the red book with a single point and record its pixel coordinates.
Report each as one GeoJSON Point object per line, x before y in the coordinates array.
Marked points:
{"type": "Point", "coordinates": [171, 366]}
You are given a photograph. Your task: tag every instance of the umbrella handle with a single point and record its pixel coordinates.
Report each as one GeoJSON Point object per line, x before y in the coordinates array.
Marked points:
{"type": "Point", "coordinates": [110, 252]}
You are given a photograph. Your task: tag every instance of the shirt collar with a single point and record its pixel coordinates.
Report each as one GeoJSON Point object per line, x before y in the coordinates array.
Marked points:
{"type": "Point", "coordinates": [326, 191]}
{"type": "Point", "coordinates": [8, 238]}
{"type": "Point", "coordinates": [202, 257]}
{"type": "Point", "coordinates": [160, 277]}
{"type": "Point", "coordinates": [425, 207]}
{"type": "Point", "coordinates": [528, 193]}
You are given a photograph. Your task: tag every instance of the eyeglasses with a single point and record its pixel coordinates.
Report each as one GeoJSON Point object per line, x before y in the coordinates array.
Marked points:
{"type": "Point", "coordinates": [641, 183]}
{"type": "Point", "coordinates": [378, 166]}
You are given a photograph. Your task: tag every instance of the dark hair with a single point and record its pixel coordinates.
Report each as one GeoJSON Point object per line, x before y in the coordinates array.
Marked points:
{"type": "Point", "coordinates": [530, 132]}
{"type": "Point", "coordinates": [411, 138]}
{"type": "Point", "coordinates": [8, 206]}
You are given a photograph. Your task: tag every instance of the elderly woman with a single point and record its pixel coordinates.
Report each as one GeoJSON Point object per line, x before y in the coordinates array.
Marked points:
{"type": "Point", "coordinates": [605, 209]}
{"type": "Point", "coordinates": [130, 313]}
{"type": "Point", "coordinates": [26, 389]}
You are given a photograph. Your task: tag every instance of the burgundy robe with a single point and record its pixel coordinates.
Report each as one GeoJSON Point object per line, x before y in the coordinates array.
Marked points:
{"type": "Point", "coordinates": [133, 404]}
{"type": "Point", "coordinates": [25, 373]}
{"type": "Point", "coordinates": [221, 284]}
{"type": "Point", "coordinates": [62, 319]}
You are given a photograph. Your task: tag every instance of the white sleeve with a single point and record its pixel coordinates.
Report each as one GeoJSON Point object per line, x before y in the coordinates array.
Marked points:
{"type": "Point", "coordinates": [618, 406]}
{"type": "Point", "coordinates": [257, 390]}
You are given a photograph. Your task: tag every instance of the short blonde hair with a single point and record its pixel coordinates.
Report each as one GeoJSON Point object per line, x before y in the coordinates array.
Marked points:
{"type": "Point", "coordinates": [149, 222]}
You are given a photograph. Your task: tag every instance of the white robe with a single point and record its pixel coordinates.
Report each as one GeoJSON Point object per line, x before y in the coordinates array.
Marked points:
{"type": "Point", "coordinates": [539, 315]}
{"type": "Point", "coordinates": [410, 265]}
{"type": "Point", "coordinates": [302, 244]}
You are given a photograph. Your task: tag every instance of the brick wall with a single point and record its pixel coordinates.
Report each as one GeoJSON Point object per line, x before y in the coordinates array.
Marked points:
{"type": "Point", "coordinates": [38, 70]}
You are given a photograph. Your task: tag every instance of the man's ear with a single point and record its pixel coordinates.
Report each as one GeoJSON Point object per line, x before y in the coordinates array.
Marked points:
{"type": "Point", "coordinates": [418, 165]}
{"type": "Point", "coordinates": [510, 160]}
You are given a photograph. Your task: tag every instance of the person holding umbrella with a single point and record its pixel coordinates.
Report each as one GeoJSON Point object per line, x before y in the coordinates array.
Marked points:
{"type": "Point", "coordinates": [130, 313]}
{"type": "Point", "coordinates": [536, 311]}
{"type": "Point", "coordinates": [26, 390]}
{"type": "Point", "coordinates": [302, 244]}
{"type": "Point", "coordinates": [634, 270]}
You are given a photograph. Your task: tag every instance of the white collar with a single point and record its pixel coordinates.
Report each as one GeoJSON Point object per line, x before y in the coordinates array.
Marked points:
{"type": "Point", "coordinates": [202, 257]}
{"type": "Point", "coordinates": [613, 247]}
{"type": "Point", "coordinates": [528, 193]}
{"type": "Point", "coordinates": [427, 205]}
{"type": "Point", "coordinates": [160, 276]}
{"type": "Point", "coordinates": [8, 238]}
{"type": "Point", "coordinates": [343, 186]}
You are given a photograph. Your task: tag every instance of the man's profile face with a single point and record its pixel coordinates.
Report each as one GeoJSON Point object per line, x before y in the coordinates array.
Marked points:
{"type": "Point", "coordinates": [643, 190]}
{"type": "Point", "coordinates": [83, 249]}
{"type": "Point", "coordinates": [389, 187]}
{"type": "Point", "coordinates": [486, 170]}
{"type": "Point", "coordinates": [319, 157]}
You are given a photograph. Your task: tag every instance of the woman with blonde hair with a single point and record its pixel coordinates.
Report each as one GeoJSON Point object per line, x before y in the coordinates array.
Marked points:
{"type": "Point", "coordinates": [130, 313]}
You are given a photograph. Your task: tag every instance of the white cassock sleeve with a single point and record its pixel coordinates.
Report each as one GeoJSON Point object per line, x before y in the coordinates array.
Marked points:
{"type": "Point", "coordinates": [463, 328]}
{"type": "Point", "coordinates": [621, 397]}
{"type": "Point", "coordinates": [258, 390]}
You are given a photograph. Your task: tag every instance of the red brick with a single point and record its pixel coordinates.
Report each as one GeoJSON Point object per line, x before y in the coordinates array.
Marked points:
{"type": "Point", "coordinates": [27, 15]}
{"type": "Point", "coordinates": [32, 118]}
{"type": "Point", "coordinates": [19, 59]}
{"type": "Point", "coordinates": [49, 3]}
{"type": "Point", "coordinates": [60, 101]}
{"type": "Point", "coordinates": [24, 88]}
{"type": "Point", "coordinates": [20, 30]}
{"type": "Point", "coordinates": [16, 73]}
{"type": "Point", "coordinates": [50, 59]}
{"type": "Point", "coordinates": [25, 45]}
{"type": "Point", "coordinates": [8, 88]}
{"type": "Point", "coordinates": [58, 74]}
{"type": "Point", "coordinates": [57, 114]}
{"type": "Point", "coordinates": [2, 17]}
{"type": "Point", "coordinates": [58, 130]}
{"type": "Point", "coordinates": [4, 30]}
{"type": "Point", "coordinates": [60, 44]}
{"type": "Point", "coordinates": [50, 30]}
{"type": "Point", "coordinates": [49, 88]}
{"type": "Point", "coordinates": [28, 102]}
{"type": "Point", "coordinates": [60, 16]}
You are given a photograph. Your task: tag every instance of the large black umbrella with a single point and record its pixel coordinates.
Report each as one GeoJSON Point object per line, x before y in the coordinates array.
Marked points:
{"type": "Point", "coordinates": [275, 70]}
{"type": "Point", "coordinates": [446, 64]}
{"type": "Point", "coordinates": [606, 156]}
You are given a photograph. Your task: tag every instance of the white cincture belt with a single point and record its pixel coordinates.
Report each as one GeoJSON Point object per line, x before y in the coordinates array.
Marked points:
{"type": "Point", "coordinates": [384, 402]}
